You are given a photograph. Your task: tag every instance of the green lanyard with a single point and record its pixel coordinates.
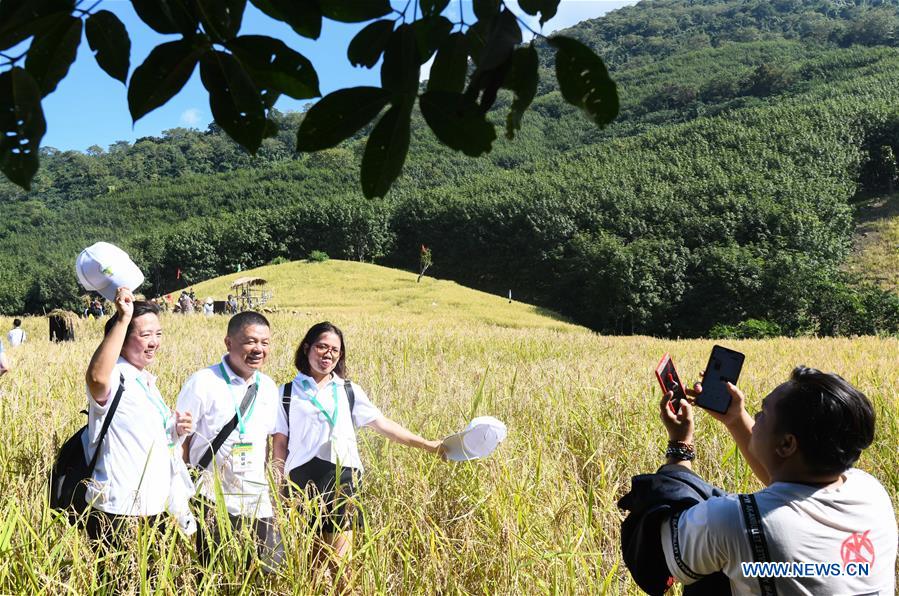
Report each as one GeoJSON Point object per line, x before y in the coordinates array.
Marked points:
{"type": "Point", "coordinates": [241, 419]}
{"type": "Point", "coordinates": [158, 403]}
{"type": "Point", "coordinates": [311, 392]}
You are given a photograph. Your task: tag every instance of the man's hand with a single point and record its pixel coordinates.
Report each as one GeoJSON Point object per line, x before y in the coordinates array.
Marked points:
{"type": "Point", "coordinates": [184, 423]}
{"type": "Point", "coordinates": [678, 424]}
{"type": "Point", "coordinates": [735, 411]}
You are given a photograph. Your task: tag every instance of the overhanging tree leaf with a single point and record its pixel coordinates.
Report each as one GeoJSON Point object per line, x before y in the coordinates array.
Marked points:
{"type": "Point", "coordinates": [546, 8]}
{"type": "Point", "coordinates": [51, 53]}
{"type": "Point", "coordinates": [274, 66]}
{"type": "Point", "coordinates": [367, 46]}
{"type": "Point", "coordinates": [432, 7]}
{"type": "Point", "coordinates": [522, 80]}
{"type": "Point", "coordinates": [109, 40]}
{"type": "Point", "coordinates": [234, 100]}
{"type": "Point", "coordinates": [400, 68]}
{"type": "Point", "coordinates": [485, 9]}
{"type": "Point", "coordinates": [584, 81]}
{"type": "Point", "coordinates": [20, 19]}
{"type": "Point", "coordinates": [163, 74]}
{"type": "Point", "coordinates": [22, 126]}
{"type": "Point", "coordinates": [430, 33]}
{"type": "Point", "coordinates": [354, 11]}
{"type": "Point", "coordinates": [221, 18]}
{"type": "Point", "coordinates": [338, 115]}
{"type": "Point", "coordinates": [457, 121]}
{"type": "Point", "coordinates": [167, 16]}
{"type": "Point", "coordinates": [450, 65]}
{"type": "Point", "coordinates": [385, 151]}
{"type": "Point", "coordinates": [304, 16]}
{"type": "Point", "coordinates": [504, 34]}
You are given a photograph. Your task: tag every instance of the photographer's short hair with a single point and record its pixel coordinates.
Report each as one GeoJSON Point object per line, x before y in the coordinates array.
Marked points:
{"type": "Point", "coordinates": [141, 308]}
{"type": "Point", "coordinates": [833, 421]}
{"type": "Point", "coordinates": [245, 319]}
{"type": "Point", "coordinates": [16, 322]}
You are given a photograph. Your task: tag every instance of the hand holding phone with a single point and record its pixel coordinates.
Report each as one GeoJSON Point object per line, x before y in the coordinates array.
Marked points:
{"type": "Point", "coordinates": [669, 380]}
{"type": "Point", "coordinates": [724, 367]}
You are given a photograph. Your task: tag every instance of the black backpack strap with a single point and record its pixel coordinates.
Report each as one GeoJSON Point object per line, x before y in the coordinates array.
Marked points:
{"type": "Point", "coordinates": [285, 400]}
{"type": "Point", "coordinates": [755, 533]}
{"type": "Point", "coordinates": [106, 422]}
{"type": "Point", "coordinates": [217, 442]}
{"type": "Point", "coordinates": [351, 397]}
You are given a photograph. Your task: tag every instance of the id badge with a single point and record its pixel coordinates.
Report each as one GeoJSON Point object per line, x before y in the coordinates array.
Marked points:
{"type": "Point", "coordinates": [241, 457]}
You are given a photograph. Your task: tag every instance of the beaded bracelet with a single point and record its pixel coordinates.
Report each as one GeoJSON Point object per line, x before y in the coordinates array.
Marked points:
{"type": "Point", "coordinates": [680, 451]}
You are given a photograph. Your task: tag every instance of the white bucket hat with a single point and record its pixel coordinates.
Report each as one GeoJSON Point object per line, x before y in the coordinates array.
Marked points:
{"type": "Point", "coordinates": [104, 267]}
{"type": "Point", "coordinates": [479, 439]}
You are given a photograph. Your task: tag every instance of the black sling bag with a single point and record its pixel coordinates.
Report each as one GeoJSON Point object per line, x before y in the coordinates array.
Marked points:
{"type": "Point", "coordinates": [288, 391]}
{"type": "Point", "coordinates": [755, 533]}
{"type": "Point", "coordinates": [217, 442]}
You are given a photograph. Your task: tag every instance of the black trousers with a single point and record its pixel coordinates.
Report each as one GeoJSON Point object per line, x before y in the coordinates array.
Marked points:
{"type": "Point", "coordinates": [319, 479]}
{"type": "Point", "coordinates": [108, 528]}
{"type": "Point", "coordinates": [209, 534]}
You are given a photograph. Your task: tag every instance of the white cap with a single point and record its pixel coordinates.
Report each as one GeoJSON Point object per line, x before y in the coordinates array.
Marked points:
{"type": "Point", "coordinates": [104, 268]}
{"type": "Point", "coordinates": [479, 439]}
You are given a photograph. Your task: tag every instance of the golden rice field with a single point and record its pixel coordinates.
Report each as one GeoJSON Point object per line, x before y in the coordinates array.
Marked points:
{"type": "Point", "coordinates": [539, 517]}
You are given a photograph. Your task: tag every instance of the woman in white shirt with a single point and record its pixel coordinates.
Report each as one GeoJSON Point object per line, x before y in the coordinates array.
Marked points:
{"type": "Point", "coordinates": [133, 476]}
{"type": "Point", "coordinates": [316, 432]}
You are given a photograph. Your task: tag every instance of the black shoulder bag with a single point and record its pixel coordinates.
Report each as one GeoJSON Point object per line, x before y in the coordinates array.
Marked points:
{"type": "Point", "coordinates": [755, 534]}
{"type": "Point", "coordinates": [288, 391]}
{"type": "Point", "coordinates": [71, 470]}
{"type": "Point", "coordinates": [217, 442]}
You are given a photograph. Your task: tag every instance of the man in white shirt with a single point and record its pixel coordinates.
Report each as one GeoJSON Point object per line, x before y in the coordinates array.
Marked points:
{"type": "Point", "coordinates": [16, 335]}
{"type": "Point", "coordinates": [234, 395]}
{"type": "Point", "coordinates": [825, 527]}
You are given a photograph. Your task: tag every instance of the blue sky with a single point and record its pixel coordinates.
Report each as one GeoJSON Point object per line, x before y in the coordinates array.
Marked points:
{"type": "Point", "coordinates": [90, 108]}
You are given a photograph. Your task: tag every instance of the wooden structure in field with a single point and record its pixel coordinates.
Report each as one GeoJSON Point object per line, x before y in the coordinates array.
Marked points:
{"type": "Point", "coordinates": [250, 292]}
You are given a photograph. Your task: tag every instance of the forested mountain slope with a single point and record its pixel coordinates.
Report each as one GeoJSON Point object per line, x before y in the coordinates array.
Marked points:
{"type": "Point", "coordinates": [724, 192]}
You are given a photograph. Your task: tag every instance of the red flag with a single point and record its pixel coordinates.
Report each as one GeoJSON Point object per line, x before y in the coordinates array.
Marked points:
{"type": "Point", "coordinates": [178, 274]}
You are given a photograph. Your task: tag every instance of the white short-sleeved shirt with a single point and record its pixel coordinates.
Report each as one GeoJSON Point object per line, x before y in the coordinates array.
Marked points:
{"type": "Point", "coordinates": [16, 336]}
{"type": "Point", "coordinates": [803, 524]}
{"type": "Point", "coordinates": [133, 472]}
{"type": "Point", "coordinates": [309, 433]}
{"type": "Point", "coordinates": [213, 402]}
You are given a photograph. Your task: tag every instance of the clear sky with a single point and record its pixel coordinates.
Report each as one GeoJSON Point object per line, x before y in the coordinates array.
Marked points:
{"type": "Point", "coordinates": [90, 108]}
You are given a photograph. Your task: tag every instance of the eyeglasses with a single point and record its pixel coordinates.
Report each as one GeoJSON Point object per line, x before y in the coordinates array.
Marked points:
{"type": "Point", "coordinates": [325, 349]}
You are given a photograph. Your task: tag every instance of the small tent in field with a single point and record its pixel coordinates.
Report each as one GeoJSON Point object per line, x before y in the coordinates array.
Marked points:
{"type": "Point", "coordinates": [250, 293]}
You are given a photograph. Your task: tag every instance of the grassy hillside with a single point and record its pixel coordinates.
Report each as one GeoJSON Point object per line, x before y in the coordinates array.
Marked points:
{"type": "Point", "coordinates": [876, 253]}
{"type": "Point", "coordinates": [344, 290]}
{"type": "Point", "coordinates": [539, 517]}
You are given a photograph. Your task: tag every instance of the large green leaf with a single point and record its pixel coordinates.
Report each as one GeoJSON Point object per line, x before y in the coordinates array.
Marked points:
{"type": "Point", "coordinates": [430, 33]}
{"type": "Point", "coordinates": [450, 65]}
{"type": "Point", "coordinates": [234, 100]}
{"type": "Point", "coordinates": [385, 151]}
{"type": "Point", "coordinates": [168, 16]}
{"type": "Point", "coordinates": [22, 126]}
{"type": "Point", "coordinates": [584, 81]}
{"type": "Point", "coordinates": [274, 66]}
{"type": "Point", "coordinates": [485, 9]}
{"type": "Point", "coordinates": [354, 11]}
{"type": "Point", "coordinates": [432, 7]}
{"type": "Point", "coordinates": [51, 53]}
{"type": "Point", "coordinates": [366, 47]}
{"type": "Point", "coordinates": [546, 8]}
{"type": "Point", "coordinates": [20, 19]}
{"type": "Point", "coordinates": [338, 115]}
{"type": "Point", "coordinates": [221, 18]}
{"type": "Point", "coordinates": [458, 122]}
{"type": "Point", "coordinates": [503, 36]}
{"type": "Point", "coordinates": [401, 66]}
{"type": "Point", "coordinates": [304, 16]}
{"type": "Point", "coordinates": [522, 80]}
{"type": "Point", "coordinates": [163, 74]}
{"type": "Point", "coordinates": [109, 40]}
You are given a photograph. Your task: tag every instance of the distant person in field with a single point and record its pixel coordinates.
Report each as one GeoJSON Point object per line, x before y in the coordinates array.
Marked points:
{"type": "Point", "coordinates": [16, 335]}
{"type": "Point", "coordinates": [316, 434]}
{"type": "Point", "coordinates": [133, 475]}
{"type": "Point", "coordinates": [235, 407]}
{"type": "Point", "coordinates": [816, 509]}
{"type": "Point", "coordinates": [208, 307]}
{"type": "Point", "coordinates": [232, 304]}
{"type": "Point", "coordinates": [186, 304]}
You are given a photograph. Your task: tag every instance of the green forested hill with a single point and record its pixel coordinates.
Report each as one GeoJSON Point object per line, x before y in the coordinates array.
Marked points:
{"type": "Point", "coordinates": [723, 193]}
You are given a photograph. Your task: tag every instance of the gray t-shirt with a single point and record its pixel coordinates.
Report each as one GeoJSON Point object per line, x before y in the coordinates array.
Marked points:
{"type": "Point", "coordinates": [828, 528]}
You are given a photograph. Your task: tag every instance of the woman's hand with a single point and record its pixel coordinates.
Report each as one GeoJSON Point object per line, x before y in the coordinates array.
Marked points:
{"type": "Point", "coordinates": [184, 423]}
{"type": "Point", "coordinates": [437, 448]}
{"type": "Point", "coordinates": [124, 304]}
{"type": "Point", "coordinates": [678, 424]}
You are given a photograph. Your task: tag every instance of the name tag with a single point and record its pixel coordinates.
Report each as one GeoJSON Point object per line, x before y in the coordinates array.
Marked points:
{"type": "Point", "coordinates": [241, 457]}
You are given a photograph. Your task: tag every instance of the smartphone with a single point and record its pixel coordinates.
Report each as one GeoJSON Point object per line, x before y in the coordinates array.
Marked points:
{"type": "Point", "coordinates": [668, 379]}
{"type": "Point", "coordinates": [724, 367]}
